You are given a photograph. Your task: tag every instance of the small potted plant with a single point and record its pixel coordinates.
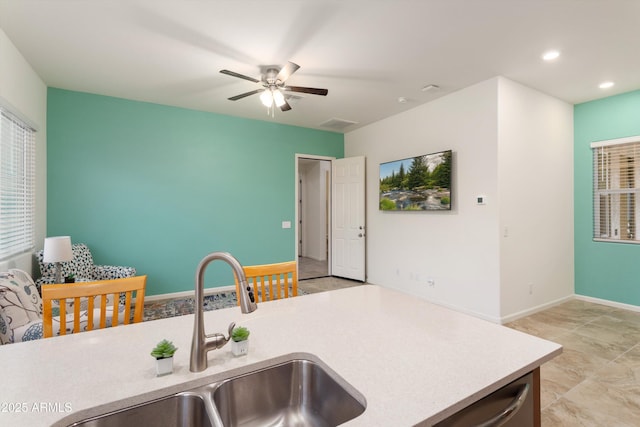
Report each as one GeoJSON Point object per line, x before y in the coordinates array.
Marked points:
{"type": "Point", "coordinates": [71, 278]}
{"type": "Point", "coordinates": [240, 341]}
{"type": "Point", "coordinates": [163, 352]}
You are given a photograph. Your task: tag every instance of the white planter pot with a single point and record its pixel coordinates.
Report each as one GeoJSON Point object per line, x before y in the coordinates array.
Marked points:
{"type": "Point", "coordinates": [240, 348]}
{"type": "Point", "coordinates": [164, 366]}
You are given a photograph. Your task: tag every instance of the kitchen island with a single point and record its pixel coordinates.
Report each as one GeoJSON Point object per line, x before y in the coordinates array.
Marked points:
{"type": "Point", "coordinates": [414, 362]}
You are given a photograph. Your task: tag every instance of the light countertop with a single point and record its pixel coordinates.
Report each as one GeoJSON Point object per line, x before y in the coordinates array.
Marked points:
{"type": "Point", "coordinates": [412, 360]}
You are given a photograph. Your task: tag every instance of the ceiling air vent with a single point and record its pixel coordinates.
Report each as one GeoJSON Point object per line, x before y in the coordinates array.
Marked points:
{"type": "Point", "coordinates": [337, 124]}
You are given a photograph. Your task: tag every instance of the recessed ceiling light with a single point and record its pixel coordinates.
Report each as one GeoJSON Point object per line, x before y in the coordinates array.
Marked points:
{"type": "Point", "coordinates": [402, 100]}
{"type": "Point", "coordinates": [605, 85]}
{"type": "Point", "coordinates": [550, 55]}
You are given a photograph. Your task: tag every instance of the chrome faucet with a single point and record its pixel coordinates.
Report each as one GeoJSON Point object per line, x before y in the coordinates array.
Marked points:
{"type": "Point", "coordinates": [201, 344]}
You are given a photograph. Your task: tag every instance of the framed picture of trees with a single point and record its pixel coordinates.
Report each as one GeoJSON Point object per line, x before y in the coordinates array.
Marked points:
{"type": "Point", "coordinates": [421, 183]}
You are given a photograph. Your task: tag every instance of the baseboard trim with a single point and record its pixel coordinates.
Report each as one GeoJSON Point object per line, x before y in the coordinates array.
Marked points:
{"type": "Point", "coordinates": [536, 309]}
{"type": "Point", "coordinates": [186, 294]}
{"type": "Point", "coordinates": [453, 307]}
{"type": "Point", "coordinates": [615, 304]}
{"type": "Point", "coordinates": [502, 320]}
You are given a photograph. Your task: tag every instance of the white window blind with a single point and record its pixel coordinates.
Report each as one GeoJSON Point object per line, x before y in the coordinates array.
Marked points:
{"type": "Point", "coordinates": [17, 185]}
{"type": "Point", "coordinates": [616, 188]}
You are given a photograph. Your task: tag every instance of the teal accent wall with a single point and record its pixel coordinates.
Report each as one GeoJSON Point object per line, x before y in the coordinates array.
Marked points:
{"type": "Point", "coordinates": [158, 187]}
{"type": "Point", "coordinates": [609, 271]}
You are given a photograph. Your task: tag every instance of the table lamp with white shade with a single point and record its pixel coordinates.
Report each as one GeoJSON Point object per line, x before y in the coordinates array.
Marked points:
{"type": "Point", "coordinates": [57, 249]}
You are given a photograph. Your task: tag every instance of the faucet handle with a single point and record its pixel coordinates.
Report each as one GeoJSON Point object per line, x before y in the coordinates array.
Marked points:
{"type": "Point", "coordinates": [218, 339]}
{"type": "Point", "coordinates": [217, 334]}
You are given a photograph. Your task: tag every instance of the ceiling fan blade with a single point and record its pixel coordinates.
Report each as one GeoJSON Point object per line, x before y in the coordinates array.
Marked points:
{"type": "Point", "coordinates": [285, 106]}
{"type": "Point", "coordinates": [311, 90]}
{"type": "Point", "coordinates": [240, 76]}
{"type": "Point", "coordinates": [287, 70]}
{"type": "Point", "coordinates": [244, 95]}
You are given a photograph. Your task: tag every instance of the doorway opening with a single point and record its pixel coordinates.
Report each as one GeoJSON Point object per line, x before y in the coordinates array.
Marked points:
{"type": "Point", "coordinates": [313, 211]}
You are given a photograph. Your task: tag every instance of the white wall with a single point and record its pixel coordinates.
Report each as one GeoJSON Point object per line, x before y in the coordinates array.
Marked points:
{"type": "Point", "coordinates": [511, 144]}
{"type": "Point", "coordinates": [458, 249]}
{"type": "Point", "coordinates": [535, 160]}
{"type": "Point", "coordinates": [21, 87]}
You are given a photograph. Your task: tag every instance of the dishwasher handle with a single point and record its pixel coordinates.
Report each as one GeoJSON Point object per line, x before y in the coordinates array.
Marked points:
{"type": "Point", "coordinates": [509, 411]}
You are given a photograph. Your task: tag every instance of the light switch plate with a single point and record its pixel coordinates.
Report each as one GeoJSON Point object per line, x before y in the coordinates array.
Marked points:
{"type": "Point", "coordinates": [286, 224]}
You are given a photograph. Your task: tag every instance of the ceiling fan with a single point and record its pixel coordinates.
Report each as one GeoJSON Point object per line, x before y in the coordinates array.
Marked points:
{"type": "Point", "coordinates": [273, 85]}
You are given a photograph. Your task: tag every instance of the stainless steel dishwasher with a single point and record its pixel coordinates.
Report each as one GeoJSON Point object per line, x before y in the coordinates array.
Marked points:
{"type": "Point", "coordinates": [511, 406]}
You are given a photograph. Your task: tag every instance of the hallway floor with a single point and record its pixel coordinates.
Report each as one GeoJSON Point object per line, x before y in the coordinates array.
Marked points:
{"type": "Point", "coordinates": [309, 268]}
{"type": "Point", "coordinates": [322, 284]}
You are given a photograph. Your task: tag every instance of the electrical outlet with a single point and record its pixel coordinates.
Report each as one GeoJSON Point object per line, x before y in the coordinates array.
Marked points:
{"type": "Point", "coordinates": [431, 282]}
{"type": "Point", "coordinates": [530, 288]}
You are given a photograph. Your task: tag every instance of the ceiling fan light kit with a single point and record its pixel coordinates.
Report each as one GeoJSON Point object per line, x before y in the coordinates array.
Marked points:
{"type": "Point", "coordinates": [266, 98]}
{"type": "Point", "coordinates": [273, 85]}
{"type": "Point", "coordinates": [278, 98]}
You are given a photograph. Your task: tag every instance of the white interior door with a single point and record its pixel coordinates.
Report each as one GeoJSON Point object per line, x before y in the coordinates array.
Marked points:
{"type": "Point", "coordinates": [348, 240]}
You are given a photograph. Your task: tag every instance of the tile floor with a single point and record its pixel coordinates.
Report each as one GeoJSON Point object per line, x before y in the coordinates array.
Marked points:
{"type": "Point", "coordinates": [595, 382]}
{"type": "Point", "coordinates": [322, 284]}
{"type": "Point", "coordinates": [309, 268]}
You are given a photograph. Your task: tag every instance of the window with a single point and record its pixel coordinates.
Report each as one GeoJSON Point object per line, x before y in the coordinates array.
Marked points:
{"type": "Point", "coordinates": [17, 185]}
{"type": "Point", "coordinates": [616, 188]}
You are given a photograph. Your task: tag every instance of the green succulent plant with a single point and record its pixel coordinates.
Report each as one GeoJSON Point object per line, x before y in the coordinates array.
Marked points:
{"type": "Point", "coordinates": [240, 333]}
{"type": "Point", "coordinates": [164, 349]}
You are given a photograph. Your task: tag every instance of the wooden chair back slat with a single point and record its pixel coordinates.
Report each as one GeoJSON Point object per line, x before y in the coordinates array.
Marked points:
{"type": "Point", "coordinates": [103, 312]}
{"type": "Point", "coordinates": [90, 315]}
{"type": "Point", "coordinates": [76, 314]}
{"type": "Point", "coordinates": [276, 278]}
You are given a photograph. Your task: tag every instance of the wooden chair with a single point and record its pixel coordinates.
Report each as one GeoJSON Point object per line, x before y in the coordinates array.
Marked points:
{"type": "Point", "coordinates": [88, 292]}
{"type": "Point", "coordinates": [271, 281]}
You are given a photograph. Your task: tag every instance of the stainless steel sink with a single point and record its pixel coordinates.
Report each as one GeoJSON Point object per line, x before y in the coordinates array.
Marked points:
{"type": "Point", "coordinates": [296, 393]}
{"type": "Point", "coordinates": [293, 391]}
{"type": "Point", "coordinates": [180, 410]}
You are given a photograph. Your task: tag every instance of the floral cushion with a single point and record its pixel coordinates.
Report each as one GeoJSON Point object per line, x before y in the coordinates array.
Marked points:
{"type": "Point", "coordinates": [33, 330]}
{"type": "Point", "coordinates": [29, 332]}
{"type": "Point", "coordinates": [5, 332]}
{"type": "Point", "coordinates": [84, 304]}
{"type": "Point", "coordinates": [19, 299]}
{"type": "Point", "coordinates": [20, 305]}
{"type": "Point", "coordinates": [84, 320]}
